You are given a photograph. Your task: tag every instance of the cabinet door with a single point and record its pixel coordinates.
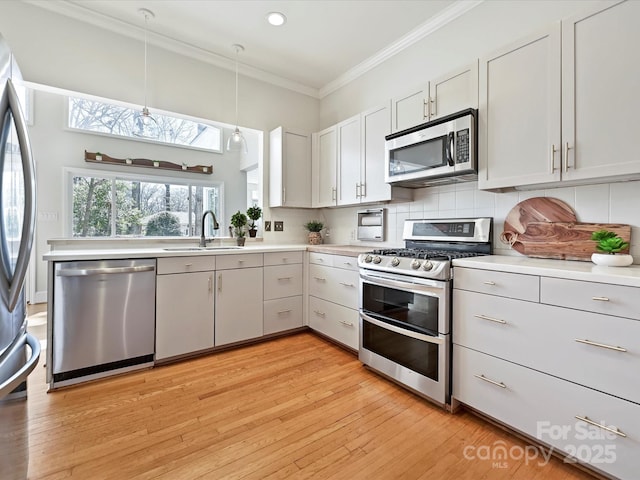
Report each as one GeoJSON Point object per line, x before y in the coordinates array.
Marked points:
{"type": "Point", "coordinates": [376, 124]}
{"type": "Point", "coordinates": [289, 169]}
{"type": "Point", "coordinates": [324, 168]}
{"type": "Point", "coordinates": [238, 305]}
{"type": "Point", "coordinates": [410, 109]}
{"type": "Point", "coordinates": [600, 92]}
{"type": "Point", "coordinates": [184, 313]}
{"type": "Point", "coordinates": [349, 161]}
{"type": "Point", "coordinates": [453, 92]}
{"type": "Point", "coordinates": [519, 113]}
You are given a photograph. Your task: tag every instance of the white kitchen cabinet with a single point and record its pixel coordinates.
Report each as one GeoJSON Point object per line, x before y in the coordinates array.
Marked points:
{"type": "Point", "coordinates": [333, 297]}
{"type": "Point", "coordinates": [184, 306]}
{"type": "Point", "coordinates": [550, 111]}
{"type": "Point", "coordinates": [239, 298]}
{"type": "Point", "coordinates": [289, 168]}
{"type": "Point", "coordinates": [349, 161]}
{"type": "Point", "coordinates": [449, 93]}
{"type": "Point", "coordinates": [537, 352]}
{"type": "Point", "coordinates": [283, 288]}
{"type": "Point", "coordinates": [324, 165]}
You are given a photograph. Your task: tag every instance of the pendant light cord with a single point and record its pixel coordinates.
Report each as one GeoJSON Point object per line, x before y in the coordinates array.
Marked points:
{"type": "Point", "coordinates": [146, 19]}
{"type": "Point", "coordinates": [237, 47]}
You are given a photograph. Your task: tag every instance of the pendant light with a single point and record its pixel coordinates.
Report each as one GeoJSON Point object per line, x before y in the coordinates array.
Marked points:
{"type": "Point", "coordinates": [144, 123]}
{"type": "Point", "coordinates": [236, 141]}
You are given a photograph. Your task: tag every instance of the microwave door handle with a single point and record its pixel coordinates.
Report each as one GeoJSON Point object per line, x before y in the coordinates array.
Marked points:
{"type": "Point", "coordinates": [450, 147]}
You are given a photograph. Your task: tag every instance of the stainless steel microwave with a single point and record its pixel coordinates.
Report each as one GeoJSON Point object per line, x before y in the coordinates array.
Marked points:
{"type": "Point", "coordinates": [438, 152]}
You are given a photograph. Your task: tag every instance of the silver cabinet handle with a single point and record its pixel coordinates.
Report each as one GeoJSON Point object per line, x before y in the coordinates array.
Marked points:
{"type": "Point", "coordinates": [348, 263]}
{"type": "Point", "coordinates": [357, 190]}
{"type": "Point", "coordinates": [432, 107]}
{"type": "Point", "coordinates": [363, 190]}
{"type": "Point", "coordinates": [188, 264]}
{"type": "Point", "coordinates": [210, 282]}
{"type": "Point", "coordinates": [320, 314]}
{"type": "Point", "coordinates": [320, 279]}
{"type": "Point", "coordinates": [284, 195]}
{"type": "Point", "coordinates": [347, 284]}
{"type": "Point", "coordinates": [553, 157]}
{"type": "Point", "coordinates": [601, 345]}
{"type": "Point", "coordinates": [489, 283]}
{"type": "Point", "coordinates": [491, 319]}
{"type": "Point", "coordinates": [615, 430]}
{"type": "Point", "coordinates": [348, 324]}
{"type": "Point", "coordinates": [281, 312]}
{"type": "Point", "coordinates": [566, 156]}
{"type": "Point", "coordinates": [492, 382]}
{"type": "Point", "coordinates": [600, 299]}
{"type": "Point", "coordinates": [219, 282]}
{"type": "Point", "coordinates": [85, 272]}
{"type": "Point", "coordinates": [284, 278]}
{"type": "Point", "coordinates": [426, 108]}
{"type": "Point", "coordinates": [334, 194]}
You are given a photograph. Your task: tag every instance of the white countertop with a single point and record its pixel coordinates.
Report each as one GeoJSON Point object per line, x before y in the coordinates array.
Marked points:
{"type": "Point", "coordinates": [572, 270]}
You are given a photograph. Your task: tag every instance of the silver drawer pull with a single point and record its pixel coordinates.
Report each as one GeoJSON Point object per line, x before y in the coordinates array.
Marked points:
{"type": "Point", "coordinates": [601, 345]}
{"type": "Point", "coordinates": [320, 279]}
{"type": "Point", "coordinates": [282, 312]}
{"type": "Point", "coordinates": [348, 263]}
{"type": "Point", "coordinates": [347, 284]}
{"type": "Point", "coordinates": [492, 382]}
{"type": "Point", "coordinates": [600, 299]}
{"type": "Point", "coordinates": [489, 283]}
{"type": "Point", "coordinates": [320, 314]}
{"type": "Point", "coordinates": [285, 278]}
{"type": "Point", "coordinates": [615, 430]}
{"type": "Point", "coordinates": [348, 324]}
{"type": "Point", "coordinates": [491, 319]}
{"type": "Point", "coordinates": [188, 264]}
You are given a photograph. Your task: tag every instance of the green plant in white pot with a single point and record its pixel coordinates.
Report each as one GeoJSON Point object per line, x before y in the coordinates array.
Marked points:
{"type": "Point", "coordinates": [610, 244]}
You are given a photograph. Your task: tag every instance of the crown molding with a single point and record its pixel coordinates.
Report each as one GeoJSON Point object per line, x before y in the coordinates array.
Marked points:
{"type": "Point", "coordinates": [83, 14]}
{"type": "Point", "coordinates": [443, 18]}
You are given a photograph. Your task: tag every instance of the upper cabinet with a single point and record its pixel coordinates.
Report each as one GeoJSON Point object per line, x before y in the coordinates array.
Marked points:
{"type": "Point", "coordinates": [349, 161]}
{"type": "Point", "coordinates": [441, 96]}
{"type": "Point", "coordinates": [324, 157]}
{"type": "Point", "coordinates": [558, 107]}
{"type": "Point", "coordinates": [289, 168]}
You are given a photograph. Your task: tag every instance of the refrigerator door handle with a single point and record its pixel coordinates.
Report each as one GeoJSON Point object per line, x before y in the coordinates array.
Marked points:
{"type": "Point", "coordinates": [11, 282]}
{"type": "Point", "coordinates": [21, 375]}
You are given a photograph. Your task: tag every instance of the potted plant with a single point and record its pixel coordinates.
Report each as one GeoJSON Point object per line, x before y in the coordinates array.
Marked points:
{"type": "Point", "coordinates": [254, 213]}
{"type": "Point", "coordinates": [611, 245]}
{"type": "Point", "coordinates": [239, 221]}
{"type": "Point", "coordinates": [314, 227]}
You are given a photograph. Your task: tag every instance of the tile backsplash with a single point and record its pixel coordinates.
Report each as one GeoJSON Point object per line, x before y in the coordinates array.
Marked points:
{"type": "Point", "coordinates": [603, 203]}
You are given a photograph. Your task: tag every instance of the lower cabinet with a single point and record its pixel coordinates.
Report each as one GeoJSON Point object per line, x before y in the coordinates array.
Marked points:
{"type": "Point", "coordinates": [239, 302]}
{"type": "Point", "coordinates": [283, 289]}
{"type": "Point", "coordinates": [282, 314]}
{"type": "Point", "coordinates": [184, 322]}
{"type": "Point", "coordinates": [335, 321]}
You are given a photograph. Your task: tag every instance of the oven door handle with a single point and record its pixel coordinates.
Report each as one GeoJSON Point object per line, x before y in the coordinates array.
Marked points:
{"type": "Point", "coordinates": [425, 286]}
{"type": "Point", "coordinates": [418, 336]}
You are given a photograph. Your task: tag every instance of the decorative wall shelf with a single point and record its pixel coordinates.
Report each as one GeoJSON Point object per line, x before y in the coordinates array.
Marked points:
{"type": "Point", "coordinates": [98, 157]}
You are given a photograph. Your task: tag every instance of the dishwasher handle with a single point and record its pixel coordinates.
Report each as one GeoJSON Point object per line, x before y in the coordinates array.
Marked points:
{"type": "Point", "coordinates": [85, 272]}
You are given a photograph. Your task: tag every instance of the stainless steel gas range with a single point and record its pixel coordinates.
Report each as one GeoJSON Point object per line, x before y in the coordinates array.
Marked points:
{"type": "Point", "coordinates": [405, 302]}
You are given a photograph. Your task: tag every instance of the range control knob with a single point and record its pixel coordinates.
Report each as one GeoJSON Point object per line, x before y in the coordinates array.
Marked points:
{"type": "Point", "coordinates": [415, 264]}
{"type": "Point", "coordinates": [368, 259]}
{"type": "Point", "coordinates": [377, 259]}
{"type": "Point", "coordinates": [427, 265]}
{"type": "Point", "coordinates": [395, 261]}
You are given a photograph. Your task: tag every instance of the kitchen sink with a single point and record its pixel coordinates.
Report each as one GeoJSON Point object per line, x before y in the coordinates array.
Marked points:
{"type": "Point", "coordinates": [190, 249]}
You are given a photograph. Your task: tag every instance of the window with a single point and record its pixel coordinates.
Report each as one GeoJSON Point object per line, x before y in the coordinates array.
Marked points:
{"type": "Point", "coordinates": [105, 206]}
{"type": "Point", "coordinates": [110, 119]}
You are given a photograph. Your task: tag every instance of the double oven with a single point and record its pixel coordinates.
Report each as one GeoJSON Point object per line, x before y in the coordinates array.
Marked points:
{"type": "Point", "coordinates": [405, 303]}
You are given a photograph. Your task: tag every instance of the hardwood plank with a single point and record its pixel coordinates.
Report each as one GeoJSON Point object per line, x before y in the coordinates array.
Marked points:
{"type": "Point", "coordinates": [295, 407]}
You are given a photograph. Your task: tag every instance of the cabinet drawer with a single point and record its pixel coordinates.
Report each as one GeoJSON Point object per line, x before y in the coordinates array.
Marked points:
{"type": "Point", "coordinates": [512, 285]}
{"type": "Point", "coordinates": [282, 281]}
{"type": "Point", "coordinates": [335, 321]}
{"type": "Point", "coordinates": [546, 408]}
{"type": "Point", "coordinates": [282, 258]}
{"type": "Point", "coordinates": [321, 259]}
{"type": "Point", "coordinates": [203, 263]}
{"type": "Point", "coordinates": [334, 284]}
{"type": "Point", "coordinates": [591, 349]}
{"type": "Point", "coordinates": [282, 314]}
{"type": "Point", "coordinates": [618, 300]}
{"type": "Point", "coordinates": [346, 262]}
{"type": "Point", "coordinates": [245, 260]}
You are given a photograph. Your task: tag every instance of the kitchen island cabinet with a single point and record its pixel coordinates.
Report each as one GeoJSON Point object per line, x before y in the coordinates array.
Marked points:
{"type": "Point", "coordinates": [184, 306]}
{"type": "Point", "coordinates": [544, 350]}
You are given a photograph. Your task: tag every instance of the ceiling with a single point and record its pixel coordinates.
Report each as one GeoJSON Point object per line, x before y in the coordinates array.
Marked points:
{"type": "Point", "coordinates": [323, 45]}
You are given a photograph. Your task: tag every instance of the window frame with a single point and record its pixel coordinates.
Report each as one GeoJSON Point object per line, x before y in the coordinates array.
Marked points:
{"type": "Point", "coordinates": [70, 172]}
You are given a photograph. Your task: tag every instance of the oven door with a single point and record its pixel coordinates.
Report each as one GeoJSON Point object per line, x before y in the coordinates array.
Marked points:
{"type": "Point", "coordinates": [393, 337]}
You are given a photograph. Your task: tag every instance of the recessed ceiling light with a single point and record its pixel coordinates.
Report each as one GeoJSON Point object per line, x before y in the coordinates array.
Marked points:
{"type": "Point", "coordinates": [276, 19]}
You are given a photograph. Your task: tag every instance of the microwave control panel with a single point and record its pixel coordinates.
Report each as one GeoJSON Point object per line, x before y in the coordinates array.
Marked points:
{"type": "Point", "coordinates": [462, 146]}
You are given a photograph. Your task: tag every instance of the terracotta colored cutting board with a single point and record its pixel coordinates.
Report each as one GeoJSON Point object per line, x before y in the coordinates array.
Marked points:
{"type": "Point", "coordinates": [564, 241]}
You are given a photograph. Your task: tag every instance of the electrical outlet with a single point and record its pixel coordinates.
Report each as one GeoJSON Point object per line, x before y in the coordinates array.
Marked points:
{"type": "Point", "coordinates": [278, 226]}
{"type": "Point", "coordinates": [267, 225]}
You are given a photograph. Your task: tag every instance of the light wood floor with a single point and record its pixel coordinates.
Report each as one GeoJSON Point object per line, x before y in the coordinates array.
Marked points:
{"type": "Point", "coordinates": [295, 407]}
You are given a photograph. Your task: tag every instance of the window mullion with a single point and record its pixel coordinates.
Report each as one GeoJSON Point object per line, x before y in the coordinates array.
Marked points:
{"type": "Point", "coordinates": [113, 207]}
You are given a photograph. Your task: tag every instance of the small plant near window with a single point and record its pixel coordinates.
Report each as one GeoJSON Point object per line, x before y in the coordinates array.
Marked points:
{"type": "Point", "coordinates": [254, 213]}
{"type": "Point", "coordinates": [239, 221]}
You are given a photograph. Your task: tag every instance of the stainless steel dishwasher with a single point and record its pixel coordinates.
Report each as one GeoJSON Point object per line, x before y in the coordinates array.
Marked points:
{"type": "Point", "coordinates": [103, 319]}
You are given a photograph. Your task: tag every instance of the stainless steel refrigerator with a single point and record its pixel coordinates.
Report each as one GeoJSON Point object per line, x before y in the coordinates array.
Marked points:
{"type": "Point", "coordinates": [19, 351]}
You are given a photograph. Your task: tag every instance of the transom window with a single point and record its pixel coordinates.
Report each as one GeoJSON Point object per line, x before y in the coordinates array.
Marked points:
{"type": "Point", "coordinates": [106, 205]}
{"type": "Point", "coordinates": [111, 119]}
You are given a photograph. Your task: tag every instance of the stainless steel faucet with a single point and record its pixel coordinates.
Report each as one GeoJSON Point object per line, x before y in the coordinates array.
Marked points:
{"type": "Point", "coordinates": [216, 226]}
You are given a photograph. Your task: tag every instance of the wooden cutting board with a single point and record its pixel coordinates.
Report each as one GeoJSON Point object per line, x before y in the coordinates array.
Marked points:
{"type": "Point", "coordinates": [537, 209]}
{"type": "Point", "coordinates": [564, 240]}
